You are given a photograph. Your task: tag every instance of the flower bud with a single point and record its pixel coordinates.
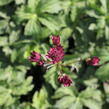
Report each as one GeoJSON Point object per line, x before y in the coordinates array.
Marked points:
{"type": "Point", "coordinates": [65, 80]}
{"type": "Point", "coordinates": [56, 40]}
{"type": "Point", "coordinates": [94, 61]}
{"type": "Point", "coordinates": [36, 57]}
{"type": "Point", "coordinates": [56, 54]}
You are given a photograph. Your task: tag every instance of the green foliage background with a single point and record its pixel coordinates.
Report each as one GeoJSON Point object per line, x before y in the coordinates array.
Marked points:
{"type": "Point", "coordinates": [25, 25]}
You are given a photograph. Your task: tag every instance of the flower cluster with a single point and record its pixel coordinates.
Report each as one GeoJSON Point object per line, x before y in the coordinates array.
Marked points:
{"type": "Point", "coordinates": [56, 55]}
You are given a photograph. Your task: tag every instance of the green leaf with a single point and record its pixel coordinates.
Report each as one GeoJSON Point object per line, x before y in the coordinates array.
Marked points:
{"type": "Point", "coordinates": [3, 40]}
{"type": "Point", "coordinates": [50, 22]}
{"type": "Point", "coordinates": [40, 99]}
{"type": "Point", "coordinates": [91, 98]}
{"type": "Point", "coordinates": [13, 36]}
{"type": "Point", "coordinates": [13, 56]}
{"type": "Point", "coordinates": [24, 14]}
{"type": "Point", "coordinates": [23, 88]}
{"type": "Point", "coordinates": [106, 87]}
{"type": "Point", "coordinates": [107, 32]}
{"type": "Point", "coordinates": [103, 72]}
{"type": "Point", "coordinates": [7, 50]}
{"type": "Point", "coordinates": [4, 75]}
{"type": "Point", "coordinates": [45, 32]}
{"type": "Point", "coordinates": [102, 53]}
{"type": "Point", "coordinates": [91, 93]}
{"type": "Point", "coordinates": [91, 82]}
{"type": "Point", "coordinates": [104, 5]}
{"type": "Point", "coordinates": [66, 96]}
{"type": "Point", "coordinates": [66, 5]}
{"type": "Point", "coordinates": [76, 105]}
{"type": "Point", "coordinates": [92, 104]}
{"type": "Point", "coordinates": [32, 4]}
{"type": "Point", "coordinates": [18, 2]}
{"type": "Point", "coordinates": [65, 34]}
{"type": "Point", "coordinates": [92, 13]}
{"type": "Point", "coordinates": [50, 6]}
{"type": "Point", "coordinates": [64, 91]}
{"type": "Point", "coordinates": [32, 27]}
{"type": "Point", "coordinates": [3, 15]}
{"type": "Point", "coordinates": [5, 97]}
{"type": "Point", "coordinates": [92, 26]}
{"type": "Point", "coordinates": [51, 76]}
{"type": "Point", "coordinates": [5, 2]}
{"type": "Point", "coordinates": [3, 26]}
{"type": "Point", "coordinates": [73, 14]}
{"type": "Point", "coordinates": [101, 22]}
{"type": "Point", "coordinates": [64, 102]}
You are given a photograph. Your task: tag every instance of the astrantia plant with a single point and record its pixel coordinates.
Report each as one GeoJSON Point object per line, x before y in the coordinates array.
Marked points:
{"type": "Point", "coordinates": [76, 64]}
{"type": "Point", "coordinates": [54, 57]}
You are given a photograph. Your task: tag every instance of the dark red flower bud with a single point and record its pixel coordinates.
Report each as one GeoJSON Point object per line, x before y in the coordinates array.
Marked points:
{"type": "Point", "coordinates": [36, 57]}
{"type": "Point", "coordinates": [56, 40]}
{"type": "Point", "coordinates": [94, 61]}
{"type": "Point", "coordinates": [56, 54]}
{"type": "Point", "coordinates": [65, 80]}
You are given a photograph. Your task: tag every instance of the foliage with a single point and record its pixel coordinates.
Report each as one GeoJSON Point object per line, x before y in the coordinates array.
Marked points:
{"type": "Point", "coordinates": [83, 25]}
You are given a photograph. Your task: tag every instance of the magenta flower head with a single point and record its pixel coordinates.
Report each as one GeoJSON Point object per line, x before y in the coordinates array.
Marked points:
{"type": "Point", "coordinates": [35, 57]}
{"type": "Point", "coordinates": [65, 80]}
{"type": "Point", "coordinates": [94, 61]}
{"type": "Point", "coordinates": [56, 40]}
{"type": "Point", "coordinates": [56, 54]}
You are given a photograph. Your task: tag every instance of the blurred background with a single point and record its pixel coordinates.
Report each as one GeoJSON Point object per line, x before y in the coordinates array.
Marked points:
{"type": "Point", "coordinates": [26, 25]}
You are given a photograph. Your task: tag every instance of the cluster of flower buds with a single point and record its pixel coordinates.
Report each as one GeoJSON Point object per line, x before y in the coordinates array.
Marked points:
{"type": "Point", "coordinates": [54, 56]}
{"type": "Point", "coordinates": [56, 53]}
